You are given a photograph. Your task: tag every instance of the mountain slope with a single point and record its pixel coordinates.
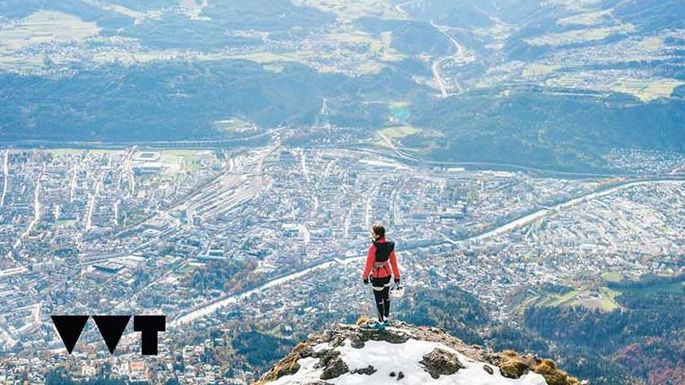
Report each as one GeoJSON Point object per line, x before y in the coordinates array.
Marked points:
{"type": "Point", "coordinates": [353, 354]}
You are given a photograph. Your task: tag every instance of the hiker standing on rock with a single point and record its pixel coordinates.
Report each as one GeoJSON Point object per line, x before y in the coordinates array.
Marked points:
{"type": "Point", "coordinates": [381, 264]}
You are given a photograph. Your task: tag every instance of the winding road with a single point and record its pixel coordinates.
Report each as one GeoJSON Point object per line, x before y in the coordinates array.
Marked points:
{"type": "Point", "coordinates": [459, 54]}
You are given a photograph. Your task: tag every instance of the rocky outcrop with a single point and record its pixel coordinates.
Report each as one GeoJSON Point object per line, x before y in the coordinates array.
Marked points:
{"type": "Point", "coordinates": [354, 350]}
{"type": "Point", "coordinates": [334, 368]}
{"type": "Point", "coordinates": [369, 370]}
{"type": "Point", "coordinates": [441, 362]}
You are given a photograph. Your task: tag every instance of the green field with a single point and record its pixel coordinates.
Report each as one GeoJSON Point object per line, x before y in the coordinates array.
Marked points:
{"type": "Point", "coordinates": [612, 276]}
{"type": "Point", "coordinates": [350, 10]}
{"type": "Point", "coordinates": [66, 151]}
{"type": "Point", "coordinates": [188, 157]}
{"type": "Point", "coordinates": [670, 287]}
{"type": "Point", "coordinates": [399, 131]}
{"type": "Point", "coordinates": [586, 18]}
{"type": "Point", "coordinates": [78, 151]}
{"type": "Point", "coordinates": [645, 89]}
{"type": "Point", "coordinates": [65, 222]}
{"type": "Point", "coordinates": [603, 299]}
{"type": "Point", "coordinates": [538, 69]}
{"type": "Point", "coordinates": [578, 36]}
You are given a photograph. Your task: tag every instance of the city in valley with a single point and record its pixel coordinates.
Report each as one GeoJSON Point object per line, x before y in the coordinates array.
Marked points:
{"type": "Point", "coordinates": [217, 239]}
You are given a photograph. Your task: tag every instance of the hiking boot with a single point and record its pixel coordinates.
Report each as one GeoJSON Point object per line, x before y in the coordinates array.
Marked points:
{"type": "Point", "coordinates": [378, 326]}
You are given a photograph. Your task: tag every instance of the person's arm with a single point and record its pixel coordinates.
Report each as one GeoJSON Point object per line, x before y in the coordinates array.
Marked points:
{"type": "Point", "coordinates": [393, 265]}
{"type": "Point", "coordinates": [370, 256]}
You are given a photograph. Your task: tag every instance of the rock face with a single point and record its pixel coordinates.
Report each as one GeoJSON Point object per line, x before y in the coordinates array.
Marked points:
{"type": "Point", "coordinates": [405, 354]}
{"type": "Point", "coordinates": [334, 368]}
{"type": "Point", "coordinates": [440, 361]}
{"type": "Point", "coordinates": [369, 370]}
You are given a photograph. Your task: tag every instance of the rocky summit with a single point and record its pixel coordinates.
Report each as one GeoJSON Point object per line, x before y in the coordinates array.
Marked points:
{"type": "Point", "coordinates": [406, 354]}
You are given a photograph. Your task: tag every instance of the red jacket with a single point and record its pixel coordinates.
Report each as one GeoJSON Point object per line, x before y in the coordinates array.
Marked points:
{"type": "Point", "coordinates": [383, 271]}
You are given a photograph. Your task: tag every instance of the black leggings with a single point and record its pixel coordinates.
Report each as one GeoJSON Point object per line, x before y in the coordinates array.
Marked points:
{"type": "Point", "coordinates": [381, 291]}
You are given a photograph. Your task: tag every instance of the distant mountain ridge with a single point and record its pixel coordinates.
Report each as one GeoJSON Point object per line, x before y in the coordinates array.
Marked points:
{"type": "Point", "coordinates": [543, 83]}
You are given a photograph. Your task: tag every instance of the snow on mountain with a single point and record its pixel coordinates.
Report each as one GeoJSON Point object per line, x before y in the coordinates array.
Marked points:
{"type": "Point", "coordinates": [409, 355]}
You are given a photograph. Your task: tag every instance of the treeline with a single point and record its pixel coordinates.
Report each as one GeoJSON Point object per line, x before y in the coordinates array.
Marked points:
{"type": "Point", "coordinates": [462, 315]}
{"type": "Point", "coordinates": [645, 337]}
{"type": "Point", "coordinates": [487, 127]}
{"type": "Point", "coordinates": [646, 280]}
{"type": "Point", "coordinates": [58, 378]}
{"type": "Point", "coordinates": [261, 349]}
{"type": "Point", "coordinates": [114, 103]}
{"type": "Point", "coordinates": [455, 310]}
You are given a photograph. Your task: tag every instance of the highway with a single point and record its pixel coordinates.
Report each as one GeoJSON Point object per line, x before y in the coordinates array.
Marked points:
{"type": "Point", "coordinates": [399, 7]}
{"type": "Point", "coordinates": [458, 55]}
{"type": "Point", "coordinates": [396, 152]}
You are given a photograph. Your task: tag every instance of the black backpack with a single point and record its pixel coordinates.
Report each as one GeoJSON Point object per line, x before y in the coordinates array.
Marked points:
{"type": "Point", "coordinates": [383, 250]}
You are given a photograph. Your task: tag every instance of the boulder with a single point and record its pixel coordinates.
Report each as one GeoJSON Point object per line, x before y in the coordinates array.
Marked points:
{"type": "Point", "coordinates": [441, 362]}
{"type": "Point", "coordinates": [334, 368]}
{"type": "Point", "coordinates": [369, 370]}
{"type": "Point", "coordinates": [513, 369]}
